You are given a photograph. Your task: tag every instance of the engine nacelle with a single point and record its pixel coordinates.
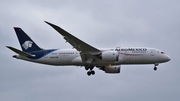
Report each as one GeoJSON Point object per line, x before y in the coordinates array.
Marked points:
{"type": "Point", "coordinates": [110, 56]}
{"type": "Point", "coordinates": [111, 69]}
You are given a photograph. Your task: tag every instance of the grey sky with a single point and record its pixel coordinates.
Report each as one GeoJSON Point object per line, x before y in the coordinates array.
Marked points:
{"type": "Point", "coordinates": [102, 23]}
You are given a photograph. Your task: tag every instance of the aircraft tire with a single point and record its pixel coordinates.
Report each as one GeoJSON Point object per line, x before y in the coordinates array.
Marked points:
{"type": "Point", "coordinates": [155, 68]}
{"type": "Point", "coordinates": [86, 68]}
{"type": "Point", "coordinates": [91, 67]}
{"type": "Point", "coordinates": [89, 73]}
{"type": "Point", "coordinates": [92, 72]}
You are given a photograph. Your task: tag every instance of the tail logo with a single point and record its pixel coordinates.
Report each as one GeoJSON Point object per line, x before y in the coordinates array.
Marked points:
{"type": "Point", "coordinates": [27, 44]}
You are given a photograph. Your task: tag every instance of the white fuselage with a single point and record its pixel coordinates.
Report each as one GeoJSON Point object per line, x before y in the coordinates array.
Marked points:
{"type": "Point", "coordinates": [107, 59]}
{"type": "Point", "coordinates": [127, 55]}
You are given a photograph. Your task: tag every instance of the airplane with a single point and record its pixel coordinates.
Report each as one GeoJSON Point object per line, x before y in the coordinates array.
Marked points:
{"type": "Point", "coordinates": [107, 59]}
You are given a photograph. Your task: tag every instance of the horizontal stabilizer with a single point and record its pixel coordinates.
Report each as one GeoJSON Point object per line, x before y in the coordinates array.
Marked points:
{"type": "Point", "coordinates": [20, 52]}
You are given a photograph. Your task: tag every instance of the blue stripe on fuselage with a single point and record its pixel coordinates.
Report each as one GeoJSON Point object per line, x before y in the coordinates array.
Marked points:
{"type": "Point", "coordinates": [41, 53]}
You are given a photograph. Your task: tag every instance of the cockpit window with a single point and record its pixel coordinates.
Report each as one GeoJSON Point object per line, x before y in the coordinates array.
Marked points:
{"type": "Point", "coordinates": [162, 52]}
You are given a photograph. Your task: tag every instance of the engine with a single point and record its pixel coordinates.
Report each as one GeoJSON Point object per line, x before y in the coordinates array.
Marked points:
{"type": "Point", "coordinates": [110, 56]}
{"type": "Point", "coordinates": [111, 69]}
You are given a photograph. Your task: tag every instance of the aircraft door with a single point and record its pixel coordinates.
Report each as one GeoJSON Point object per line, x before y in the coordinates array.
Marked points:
{"type": "Point", "coordinates": [152, 52]}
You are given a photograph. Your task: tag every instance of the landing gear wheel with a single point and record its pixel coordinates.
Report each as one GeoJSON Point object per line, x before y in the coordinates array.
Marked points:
{"type": "Point", "coordinates": [91, 67]}
{"type": "Point", "coordinates": [86, 68]}
{"type": "Point", "coordinates": [92, 72]}
{"type": "Point", "coordinates": [89, 73]}
{"type": "Point", "coordinates": [155, 68]}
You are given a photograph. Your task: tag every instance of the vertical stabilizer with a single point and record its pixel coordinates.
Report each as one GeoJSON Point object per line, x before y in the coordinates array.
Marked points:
{"type": "Point", "coordinates": [27, 44]}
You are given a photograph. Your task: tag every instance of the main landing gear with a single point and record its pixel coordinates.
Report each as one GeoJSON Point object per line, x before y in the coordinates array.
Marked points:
{"type": "Point", "coordinates": [155, 68]}
{"type": "Point", "coordinates": [90, 68]}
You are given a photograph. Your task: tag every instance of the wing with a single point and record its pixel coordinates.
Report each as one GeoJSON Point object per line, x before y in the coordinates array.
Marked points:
{"type": "Point", "coordinates": [75, 42]}
{"type": "Point", "coordinates": [85, 49]}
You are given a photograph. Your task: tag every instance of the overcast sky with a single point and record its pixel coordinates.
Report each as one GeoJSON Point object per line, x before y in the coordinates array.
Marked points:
{"type": "Point", "coordinates": [100, 23]}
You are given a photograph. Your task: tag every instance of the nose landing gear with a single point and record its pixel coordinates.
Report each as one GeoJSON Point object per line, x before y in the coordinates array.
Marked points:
{"type": "Point", "coordinates": [155, 68]}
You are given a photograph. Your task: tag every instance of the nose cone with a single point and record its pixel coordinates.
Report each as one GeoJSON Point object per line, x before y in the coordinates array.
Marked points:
{"type": "Point", "coordinates": [166, 58]}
